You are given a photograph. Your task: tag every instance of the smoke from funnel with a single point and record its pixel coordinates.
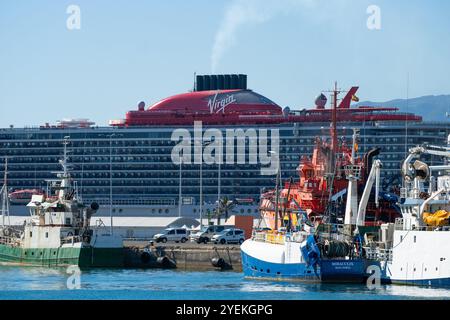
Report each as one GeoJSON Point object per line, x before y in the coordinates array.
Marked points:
{"type": "Point", "coordinates": [247, 12]}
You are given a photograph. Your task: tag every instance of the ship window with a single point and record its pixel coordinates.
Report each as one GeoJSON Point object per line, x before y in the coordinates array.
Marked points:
{"type": "Point", "coordinates": [31, 234]}
{"type": "Point", "coordinates": [415, 238]}
{"type": "Point", "coordinates": [46, 234]}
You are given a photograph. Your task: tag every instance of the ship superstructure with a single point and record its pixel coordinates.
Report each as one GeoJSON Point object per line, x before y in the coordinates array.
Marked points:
{"type": "Point", "coordinates": [132, 158]}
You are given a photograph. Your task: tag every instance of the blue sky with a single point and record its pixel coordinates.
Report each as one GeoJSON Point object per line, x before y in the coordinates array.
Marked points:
{"type": "Point", "coordinates": [127, 51]}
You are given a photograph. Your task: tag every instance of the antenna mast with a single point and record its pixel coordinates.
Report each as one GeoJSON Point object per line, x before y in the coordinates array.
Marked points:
{"type": "Point", "coordinates": [334, 120]}
{"type": "Point", "coordinates": [4, 195]}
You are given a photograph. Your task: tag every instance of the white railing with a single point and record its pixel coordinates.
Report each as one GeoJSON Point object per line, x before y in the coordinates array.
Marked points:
{"type": "Point", "coordinates": [378, 254]}
{"type": "Point", "coordinates": [275, 238]}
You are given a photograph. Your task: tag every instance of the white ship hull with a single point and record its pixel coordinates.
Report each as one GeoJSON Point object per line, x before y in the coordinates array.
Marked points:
{"type": "Point", "coordinates": [419, 258]}
{"type": "Point", "coordinates": [187, 211]}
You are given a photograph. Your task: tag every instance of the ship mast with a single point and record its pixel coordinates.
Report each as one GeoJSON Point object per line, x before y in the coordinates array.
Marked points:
{"type": "Point", "coordinates": [65, 175]}
{"type": "Point", "coordinates": [334, 123]}
{"type": "Point", "coordinates": [4, 195]}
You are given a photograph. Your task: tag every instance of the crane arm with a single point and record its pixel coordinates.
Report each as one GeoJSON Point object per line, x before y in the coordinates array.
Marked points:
{"type": "Point", "coordinates": [374, 175]}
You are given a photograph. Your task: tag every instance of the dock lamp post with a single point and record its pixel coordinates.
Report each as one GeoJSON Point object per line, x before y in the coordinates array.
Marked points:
{"type": "Point", "coordinates": [179, 191]}
{"type": "Point", "coordinates": [110, 136]}
{"type": "Point", "coordinates": [204, 144]}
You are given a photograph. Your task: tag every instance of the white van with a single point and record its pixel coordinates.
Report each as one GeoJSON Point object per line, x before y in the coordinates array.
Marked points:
{"type": "Point", "coordinates": [205, 234]}
{"type": "Point", "coordinates": [172, 234]}
{"type": "Point", "coordinates": [229, 236]}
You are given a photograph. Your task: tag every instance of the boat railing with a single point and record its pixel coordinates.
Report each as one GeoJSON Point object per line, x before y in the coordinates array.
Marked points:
{"type": "Point", "coordinates": [400, 225]}
{"type": "Point", "coordinates": [71, 240]}
{"type": "Point", "coordinates": [378, 254]}
{"type": "Point", "coordinates": [8, 240]}
{"type": "Point", "coordinates": [275, 238]}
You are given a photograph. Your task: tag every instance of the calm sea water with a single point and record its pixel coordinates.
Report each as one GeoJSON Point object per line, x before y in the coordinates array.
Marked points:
{"type": "Point", "coordinates": [41, 283]}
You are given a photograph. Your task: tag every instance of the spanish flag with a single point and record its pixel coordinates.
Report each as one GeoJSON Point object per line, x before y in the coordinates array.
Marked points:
{"type": "Point", "coordinates": [355, 98]}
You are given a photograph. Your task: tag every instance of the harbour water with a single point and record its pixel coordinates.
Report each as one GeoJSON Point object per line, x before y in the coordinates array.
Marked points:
{"type": "Point", "coordinates": [18, 283]}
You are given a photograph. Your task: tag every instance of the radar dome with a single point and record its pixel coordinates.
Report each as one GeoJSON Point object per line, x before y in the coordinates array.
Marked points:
{"type": "Point", "coordinates": [321, 101]}
{"type": "Point", "coordinates": [141, 106]}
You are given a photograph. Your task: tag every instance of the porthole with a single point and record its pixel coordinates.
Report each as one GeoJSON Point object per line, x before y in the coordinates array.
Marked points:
{"type": "Point", "coordinates": [268, 270]}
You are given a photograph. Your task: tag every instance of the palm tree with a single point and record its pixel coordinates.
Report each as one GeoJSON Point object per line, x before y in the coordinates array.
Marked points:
{"type": "Point", "coordinates": [224, 206]}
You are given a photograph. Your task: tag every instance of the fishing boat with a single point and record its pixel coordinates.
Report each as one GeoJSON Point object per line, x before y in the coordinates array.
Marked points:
{"type": "Point", "coordinates": [308, 251]}
{"type": "Point", "coordinates": [58, 231]}
{"type": "Point", "coordinates": [298, 245]}
{"type": "Point", "coordinates": [414, 250]}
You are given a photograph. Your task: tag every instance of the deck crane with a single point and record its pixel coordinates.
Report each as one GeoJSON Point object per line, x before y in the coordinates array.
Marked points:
{"type": "Point", "coordinates": [374, 176]}
{"type": "Point", "coordinates": [409, 168]}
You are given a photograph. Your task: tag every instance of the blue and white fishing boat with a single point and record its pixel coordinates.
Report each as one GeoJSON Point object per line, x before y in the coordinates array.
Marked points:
{"type": "Point", "coordinates": [313, 252]}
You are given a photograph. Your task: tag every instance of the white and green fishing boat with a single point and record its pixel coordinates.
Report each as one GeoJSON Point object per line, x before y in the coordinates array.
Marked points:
{"type": "Point", "coordinates": [58, 231]}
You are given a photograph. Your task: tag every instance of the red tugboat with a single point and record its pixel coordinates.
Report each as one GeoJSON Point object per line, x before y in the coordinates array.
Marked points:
{"type": "Point", "coordinates": [323, 182]}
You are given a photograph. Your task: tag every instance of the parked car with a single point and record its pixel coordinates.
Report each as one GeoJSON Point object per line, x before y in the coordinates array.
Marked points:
{"type": "Point", "coordinates": [172, 234]}
{"type": "Point", "coordinates": [206, 233]}
{"type": "Point", "coordinates": [230, 236]}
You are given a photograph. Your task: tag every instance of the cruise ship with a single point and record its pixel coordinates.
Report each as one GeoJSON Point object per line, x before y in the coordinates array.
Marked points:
{"type": "Point", "coordinates": [128, 167]}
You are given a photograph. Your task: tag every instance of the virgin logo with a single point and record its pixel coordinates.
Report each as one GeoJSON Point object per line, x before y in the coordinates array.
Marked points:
{"type": "Point", "coordinates": [216, 106]}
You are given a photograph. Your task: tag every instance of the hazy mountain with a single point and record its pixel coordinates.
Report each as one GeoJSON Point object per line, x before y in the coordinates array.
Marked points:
{"type": "Point", "coordinates": [431, 108]}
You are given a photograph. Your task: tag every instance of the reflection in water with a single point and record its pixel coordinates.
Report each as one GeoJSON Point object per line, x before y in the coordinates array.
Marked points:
{"type": "Point", "coordinates": [42, 283]}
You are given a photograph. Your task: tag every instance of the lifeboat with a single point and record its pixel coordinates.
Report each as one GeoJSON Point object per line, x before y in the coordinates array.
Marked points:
{"type": "Point", "coordinates": [438, 219]}
{"type": "Point", "coordinates": [23, 196]}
